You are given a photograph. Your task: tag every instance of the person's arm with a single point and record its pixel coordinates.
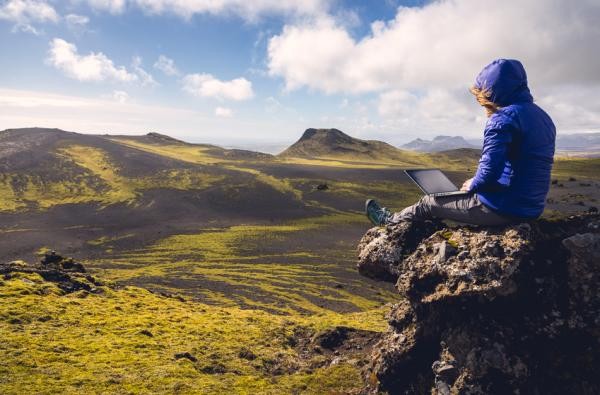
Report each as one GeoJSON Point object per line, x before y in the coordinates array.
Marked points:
{"type": "Point", "coordinates": [498, 135]}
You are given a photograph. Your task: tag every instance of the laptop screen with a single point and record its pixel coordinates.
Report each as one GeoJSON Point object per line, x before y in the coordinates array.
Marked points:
{"type": "Point", "coordinates": [432, 180]}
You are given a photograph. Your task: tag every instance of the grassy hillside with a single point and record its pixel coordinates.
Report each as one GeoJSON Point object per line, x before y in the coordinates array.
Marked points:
{"type": "Point", "coordinates": [132, 341]}
{"type": "Point", "coordinates": [256, 252]}
{"type": "Point", "coordinates": [332, 147]}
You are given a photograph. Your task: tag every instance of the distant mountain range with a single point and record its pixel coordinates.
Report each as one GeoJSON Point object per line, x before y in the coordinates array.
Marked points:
{"type": "Point", "coordinates": [579, 144]}
{"type": "Point", "coordinates": [438, 144]}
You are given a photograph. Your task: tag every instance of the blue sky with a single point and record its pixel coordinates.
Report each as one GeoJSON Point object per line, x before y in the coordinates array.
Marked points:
{"type": "Point", "coordinates": [257, 73]}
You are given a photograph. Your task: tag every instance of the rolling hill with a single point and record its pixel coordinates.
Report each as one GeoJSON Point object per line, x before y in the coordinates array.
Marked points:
{"type": "Point", "coordinates": [327, 146]}
{"type": "Point", "coordinates": [195, 242]}
{"type": "Point", "coordinates": [333, 143]}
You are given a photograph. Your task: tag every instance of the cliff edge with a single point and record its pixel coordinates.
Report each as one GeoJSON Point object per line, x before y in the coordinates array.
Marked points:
{"type": "Point", "coordinates": [488, 311]}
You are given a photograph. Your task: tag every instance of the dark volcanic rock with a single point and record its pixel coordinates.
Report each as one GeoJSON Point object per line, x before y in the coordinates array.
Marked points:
{"type": "Point", "coordinates": [503, 311]}
{"type": "Point", "coordinates": [58, 262]}
{"type": "Point", "coordinates": [186, 355]}
{"type": "Point", "coordinates": [333, 338]}
{"type": "Point", "coordinates": [67, 274]}
{"type": "Point", "coordinates": [382, 249]}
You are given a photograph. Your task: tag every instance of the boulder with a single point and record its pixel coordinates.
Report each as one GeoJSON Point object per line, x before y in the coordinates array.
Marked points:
{"type": "Point", "coordinates": [58, 262]}
{"type": "Point", "coordinates": [382, 249]}
{"type": "Point", "coordinates": [493, 311]}
{"type": "Point", "coordinates": [68, 275]}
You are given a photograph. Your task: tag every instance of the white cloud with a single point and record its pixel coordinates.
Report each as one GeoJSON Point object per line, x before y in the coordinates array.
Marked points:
{"type": "Point", "coordinates": [301, 53]}
{"type": "Point", "coordinates": [426, 57]}
{"type": "Point", "coordinates": [93, 67]}
{"type": "Point", "coordinates": [145, 78]}
{"type": "Point", "coordinates": [23, 13]}
{"type": "Point", "coordinates": [223, 112]}
{"type": "Point", "coordinates": [166, 65]}
{"type": "Point", "coordinates": [573, 108]}
{"type": "Point", "coordinates": [120, 96]}
{"type": "Point", "coordinates": [444, 43]}
{"type": "Point", "coordinates": [248, 10]}
{"type": "Point", "coordinates": [436, 111]}
{"type": "Point", "coordinates": [205, 85]}
{"type": "Point", "coordinates": [112, 6]}
{"type": "Point", "coordinates": [64, 56]}
{"type": "Point", "coordinates": [75, 20]}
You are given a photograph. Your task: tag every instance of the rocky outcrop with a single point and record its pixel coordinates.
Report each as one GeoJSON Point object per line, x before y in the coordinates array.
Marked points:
{"type": "Point", "coordinates": [494, 311]}
{"type": "Point", "coordinates": [69, 276]}
{"type": "Point", "coordinates": [382, 249]}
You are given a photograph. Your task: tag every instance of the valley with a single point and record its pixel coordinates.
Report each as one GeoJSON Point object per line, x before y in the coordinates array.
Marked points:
{"type": "Point", "coordinates": [220, 238]}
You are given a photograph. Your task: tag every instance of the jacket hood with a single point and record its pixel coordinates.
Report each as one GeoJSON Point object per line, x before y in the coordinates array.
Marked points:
{"type": "Point", "coordinates": [506, 80]}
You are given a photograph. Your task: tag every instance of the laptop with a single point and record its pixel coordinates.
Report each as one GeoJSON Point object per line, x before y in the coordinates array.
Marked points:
{"type": "Point", "coordinates": [433, 182]}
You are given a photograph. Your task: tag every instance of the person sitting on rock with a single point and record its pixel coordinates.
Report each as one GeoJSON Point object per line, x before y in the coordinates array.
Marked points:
{"type": "Point", "coordinates": [513, 176]}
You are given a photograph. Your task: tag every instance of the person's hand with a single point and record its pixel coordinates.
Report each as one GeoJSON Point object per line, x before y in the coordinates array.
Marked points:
{"type": "Point", "coordinates": [466, 185]}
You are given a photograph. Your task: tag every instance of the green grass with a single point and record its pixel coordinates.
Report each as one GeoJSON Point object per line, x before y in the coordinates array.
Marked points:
{"type": "Point", "coordinates": [255, 266]}
{"type": "Point", "coordinates": [187, 153]}
{"type": "Point", "coordinates": [247, 286]}
{"type": "Point", "coordinates": [582, 168]}
{"type": "Point", "coordinates": [100, 181]}
{"type": "Point", "coordinates": [95, 343]}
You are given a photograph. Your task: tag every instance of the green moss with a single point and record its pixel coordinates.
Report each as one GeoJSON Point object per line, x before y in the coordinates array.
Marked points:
{"type": "Point", "coordinates": [187, 153]}
{"type": "Point", "coordinates": [89, 175]}
{"type": "Point", "coordinates": [448, 236]}
{"type": "Point", "coordinates": [99, 164]}
{"type": "Point", "coordinates": [126, 340]}
{"type": "Point", "coordinates": [281, 185]}
{"type": "Point", "coordinates": [255, 266]}
{"type": "Point", "coordinates": [581, 168]}
{"type": "Point", "coordinates": [106, 240]}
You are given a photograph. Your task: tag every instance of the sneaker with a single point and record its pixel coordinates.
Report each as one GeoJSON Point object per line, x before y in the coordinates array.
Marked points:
{"type": "Point", "coordinates": [376, 214]}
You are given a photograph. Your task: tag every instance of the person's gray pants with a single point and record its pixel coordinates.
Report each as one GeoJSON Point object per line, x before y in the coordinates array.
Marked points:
{"type": "Point", "coordinates": [460, 208]}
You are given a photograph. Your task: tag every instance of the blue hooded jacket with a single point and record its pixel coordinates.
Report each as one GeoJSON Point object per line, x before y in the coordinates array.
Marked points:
{"type": "Point", "coordinates": [513, 176]}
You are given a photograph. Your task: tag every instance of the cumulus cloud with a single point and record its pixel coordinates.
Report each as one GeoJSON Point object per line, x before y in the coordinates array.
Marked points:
{"type": "Point", "coordinates": [64, 56]}
{"type": "Point", "coordinates": [205, 85]}
{"type": "Point", "coordinates": [166, 65]}
{"type": "Point", "coordinates": [93, 67]}
{"type": "Point", "coordinates": [438, 49]}
{"type": "Point", "coordinates": [223, 112]}
{"type": "Point", "coordinates": [24, 13]}
{"type": "Point", "coordinates": [442, 44]}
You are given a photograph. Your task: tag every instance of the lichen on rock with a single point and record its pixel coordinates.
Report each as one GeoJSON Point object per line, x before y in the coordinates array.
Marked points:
{"type": "Point", "coordinates": [69, 276]}
{"type": "Point", "coordinates": [382, 249]}
{"type": "Point", "coordinates": [492, 311]}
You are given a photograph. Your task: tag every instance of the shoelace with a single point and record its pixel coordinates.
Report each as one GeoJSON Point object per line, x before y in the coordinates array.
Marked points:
{"type": "Point", "coordinates": [384, 215]}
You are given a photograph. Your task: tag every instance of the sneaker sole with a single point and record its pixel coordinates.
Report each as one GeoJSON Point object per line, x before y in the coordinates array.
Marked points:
{"type": "Point", "coordinates": [367, 203]}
